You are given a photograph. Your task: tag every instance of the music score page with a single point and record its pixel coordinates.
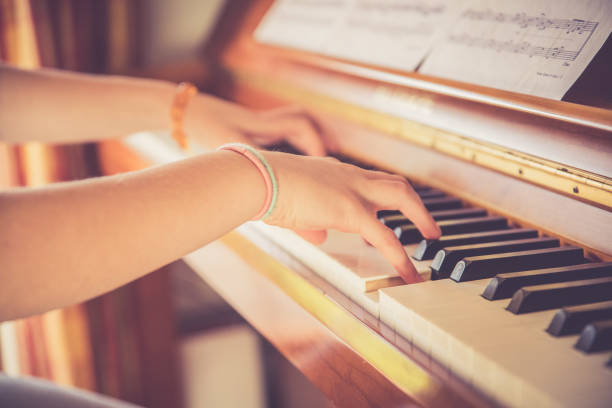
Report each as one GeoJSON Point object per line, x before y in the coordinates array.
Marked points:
{"type": "Point", "coordinates": [536, 47]}
{"type": "Point", "coordinates": [387, 33]}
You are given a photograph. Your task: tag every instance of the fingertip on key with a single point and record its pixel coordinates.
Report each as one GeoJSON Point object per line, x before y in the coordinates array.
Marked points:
{"type": "Point", "coordinates": [433, 233]}
{"type": "Point", "coordinates": [409, 273]}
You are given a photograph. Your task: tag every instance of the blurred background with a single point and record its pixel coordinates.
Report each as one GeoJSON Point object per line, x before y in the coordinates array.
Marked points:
{"type": "Point", "coordinates": [166, 340]}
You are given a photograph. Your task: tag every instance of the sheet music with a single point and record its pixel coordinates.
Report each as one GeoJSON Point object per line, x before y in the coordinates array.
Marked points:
{"type": "Point", "coordinates": [537, 47]}
{"type": "Point", "coordinates": [390, 33]}
{"type": "Point", "coordinates": [303, 24]}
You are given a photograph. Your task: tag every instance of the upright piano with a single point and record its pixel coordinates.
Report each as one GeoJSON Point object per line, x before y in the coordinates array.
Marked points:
{"type": "Point", "coordinates": [516, 306]}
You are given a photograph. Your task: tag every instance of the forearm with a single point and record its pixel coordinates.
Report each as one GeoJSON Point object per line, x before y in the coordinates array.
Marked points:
{"type": "Point", "coordinates": [61, 107]}
{"type": "Point", "coordinates": [64, 107]}
{"type": "Point", "coordinates": [69, 242]}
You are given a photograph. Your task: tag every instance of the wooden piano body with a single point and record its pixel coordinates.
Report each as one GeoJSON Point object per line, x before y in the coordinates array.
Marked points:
{"type": "Point", "coordinates": [540, 163]}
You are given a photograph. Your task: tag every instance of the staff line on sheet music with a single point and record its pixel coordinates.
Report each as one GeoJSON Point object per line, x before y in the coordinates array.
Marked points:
{"type": "Point", "coordinates": [541, 22]}
{"type": "Point", "coordinates": [523, 47]}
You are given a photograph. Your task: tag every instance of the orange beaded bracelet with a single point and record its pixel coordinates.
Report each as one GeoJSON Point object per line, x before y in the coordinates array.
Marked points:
{"type": "Point", "coordinates": [184, 92]}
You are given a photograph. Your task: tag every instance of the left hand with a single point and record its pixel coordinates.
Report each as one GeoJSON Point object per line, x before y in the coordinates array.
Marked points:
{"type": "Point", "coordinates": [292, 124]}
{"type": "Point", "coordinates": [214, 122]}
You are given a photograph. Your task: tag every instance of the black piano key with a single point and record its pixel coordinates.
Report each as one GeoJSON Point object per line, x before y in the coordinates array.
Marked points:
{"type": "Point", "coordinates": [487, 266]}
{"type": "Point", "coordinates": [421, 189]}
{"type": "Point", "coordinates": [409, 234]}
{"type": "Point", "coordinates": [554, 295]}
{"type": "Point", "coordinates": [596, 336]}
{"type": "Point", "coordinates": [443, 203]}
{"type": "Point", "coordinates": [393, 221]}
{"type": "Point", "coordinates": [387, 213]}
{"type": "Point", "coordinates": [431, 193]}
{"type": "Point", "coordinates": [571, 320]}
{"type": "Point", "coordinates": [428, 248]}
{"type": "Point", "coordinates": [445, 260]}
{"type": "Point", "coordinates": [432, 204]}
{"type": "Point", "coordinates": [504, 285]}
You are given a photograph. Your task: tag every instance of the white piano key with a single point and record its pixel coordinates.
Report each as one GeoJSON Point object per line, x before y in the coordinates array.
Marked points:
{"type": "Point", "coordinates": [344, 260]}
{"type": "Point", "coordinates": [386, 312]}
{"type": "Point", "coordinates": [368, 300]}
{"type": "Point", "coordinates": [510, 357]}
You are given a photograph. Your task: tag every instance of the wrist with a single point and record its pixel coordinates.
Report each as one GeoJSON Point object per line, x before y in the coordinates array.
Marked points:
{"type": "Point", "coordinates": [258, 160]}
{"type": "Point", "coordinates": [246, 187]}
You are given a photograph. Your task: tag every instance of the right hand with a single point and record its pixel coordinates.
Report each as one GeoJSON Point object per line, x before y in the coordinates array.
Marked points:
{"type": "Point", "coordinates": [317, 193]}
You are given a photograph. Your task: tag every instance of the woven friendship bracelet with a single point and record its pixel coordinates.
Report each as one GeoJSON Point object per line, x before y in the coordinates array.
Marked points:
{"type": "Point", "coordinates": [183, 94]}
{"type": "Point", "coordinates": [266, 171]}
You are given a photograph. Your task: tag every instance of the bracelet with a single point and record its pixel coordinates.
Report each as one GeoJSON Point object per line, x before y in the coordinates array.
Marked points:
{"type": "Point", "coordinates": [266, 171]}
{"type": "Point", "coordinates": [184, 92]}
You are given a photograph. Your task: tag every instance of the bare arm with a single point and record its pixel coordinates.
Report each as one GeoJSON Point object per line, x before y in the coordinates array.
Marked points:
{"type": "Point", "coordinates": [64, 243]}
{"type": "Point", "coordinates": [72, 241]}
{"type": "Point", "coordinates": [59, 107]}
{"type": "Point", "coordinates": [54, 106]}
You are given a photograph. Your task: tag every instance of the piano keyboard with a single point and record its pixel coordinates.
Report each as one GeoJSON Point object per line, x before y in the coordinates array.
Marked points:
{"type": "Point", "coordinates": [535, 331]}
{"type": "Point", "coordinates": [514, 313]}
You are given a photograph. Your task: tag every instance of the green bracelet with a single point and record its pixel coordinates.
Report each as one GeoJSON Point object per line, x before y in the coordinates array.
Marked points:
{"type": "Point", "coordinates": [266, 171]}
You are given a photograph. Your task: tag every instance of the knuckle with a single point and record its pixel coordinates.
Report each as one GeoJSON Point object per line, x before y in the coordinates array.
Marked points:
{"type": "Point", "coordinates": [405, 188]}
{"type": "Point", "coordinates": [400, 179]}
{"type": "Point", "coordinates": [399, 187]}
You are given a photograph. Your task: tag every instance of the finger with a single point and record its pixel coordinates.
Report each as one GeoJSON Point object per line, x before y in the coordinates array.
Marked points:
{"type": "Point", "coordinates": [383, 239]}
{"type": "Point", "coordinates": [284, 110]}
{"type": "Point", "coordinates": [383, 175]}
{"type": "Point", "coordinates": [398, 194]}
{"type": "Point", "coordinates": [298, 130]}
{"type": "Point", "coordinates": [304, 136]}
{"type": "Point", "coordinates": [314, 237]}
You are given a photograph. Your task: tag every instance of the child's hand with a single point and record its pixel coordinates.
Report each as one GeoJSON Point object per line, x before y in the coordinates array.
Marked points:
{"type": "Point", "coordinates": [319, 193]}
{"type": "Point", "coordinates": [230, 122]}
{"type": "Point", "coordinates": [291, 124]}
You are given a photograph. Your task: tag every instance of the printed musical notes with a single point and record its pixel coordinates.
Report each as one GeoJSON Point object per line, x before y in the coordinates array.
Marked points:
{"type": "Point", "coordinates": [525, 48]}
{"type": "Point", "coordinates": [390, 33]}
{"type": "Point", "coordinates": [572, 27]}
{"type": "Point", "coordinates": [538, 47]}
{"type": "Point", "coordinates": [541, 22]}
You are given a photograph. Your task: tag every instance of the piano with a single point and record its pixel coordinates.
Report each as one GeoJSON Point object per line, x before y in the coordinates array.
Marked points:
{"type": "Point", "coordinates": [516, 304]}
